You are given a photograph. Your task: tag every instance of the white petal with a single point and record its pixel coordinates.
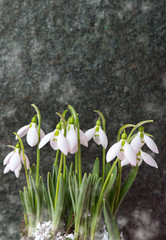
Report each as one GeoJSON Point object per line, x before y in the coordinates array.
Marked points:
{"type": "Point", "coordinates": [7, 168]}
{"type": "Point", "coordinates": [151, 144]}
{"type": "Point", "coordinates": [136, 143]}
{"type": "Point", "coordinates": [97, 139]}
{"type": "Point", "coordinates": [124, 162]}
{"type": "Point", "coordinates": [83, 139]}
{"type": "Point", "coordinates": [129, 154]}
{"type": "Point", "coordinates": [74, 150]}
{"type": "Point", "coordinates": [62, 143]}
{"type": "Point", "coordinates": [71, 137]}
{"type": "Point", "coordinates": [23, 131]}
{"type": "Point", "coordinates": [148, 159]}
{"type": "Point", "coordinates": [17, 171]}
{"type": "Point", "coordinates": [26, 159]}
{"type": "Point", "coordinates": [121, 155]}
{"type": "Point", "coordinates": [90, 133]}
{"type": "Point", "coordinates": [46, 139]}
{"type": "Point", "coordinates": [42, 134]}
{"type": "Point", "coordinates": [15, 161]}
{"type": "Point", "coordinates": [32, 135]}
{"type": "Point", "coordinates": [113, 151]}
{"type": "Point", "coordinates": [103, 138]}
{"type": "Point", "coordinates": [53, 143]}
{"type": "Point", "coordinates": [7, 158]}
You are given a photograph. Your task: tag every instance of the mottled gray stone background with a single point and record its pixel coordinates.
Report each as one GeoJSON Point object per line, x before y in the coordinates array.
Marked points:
{"type": "Point", "coordinates": [107, 55]}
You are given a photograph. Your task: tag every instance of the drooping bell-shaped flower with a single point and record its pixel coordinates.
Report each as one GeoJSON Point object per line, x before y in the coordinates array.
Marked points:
{"type": "Point", "coordinates": [122, 150]}
{"type": "Point", "coordinates": [57, 139]}
{"type": "Point", "coordinates": [72, 137]}
{"type": "Point", "coordinates": [32, 132]}
{"type": "Point", "coordinates": [97, 134]}
{"type": "Point", "coordinates": [140, 139]}
{"type": "Point", "coordinates": [142, 156]}
{"type": "Point", "coordinates": [14, 160]}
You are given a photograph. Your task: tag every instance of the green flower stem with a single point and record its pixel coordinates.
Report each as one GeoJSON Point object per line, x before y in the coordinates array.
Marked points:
{"type": "Point", "coordinates": [76, 163]}
{"type": "Point", "coordinates": [103, 124]}
{"type": "Point", "coordinates": [57, 185]}
{"type": "Point", "coordinates": [79, 159]}
{"type": "Point", "coordinates": [136, 126]}
{"type": "Point", "coordinates": [56, 158]}
{"type": "Point", "coordinates": [64, 166]}
{"type": "Point", "coordinates": [103, 174]}
{"type": "Point", "coordinates": [118, 183]}
{"type": "Point", "coordinates": [25, 166]}
{"type": "Point", "coordinates": [38, 150]}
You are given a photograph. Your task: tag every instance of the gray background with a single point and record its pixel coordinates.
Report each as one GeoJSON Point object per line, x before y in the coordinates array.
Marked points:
{"type": "Point", "coordinates": [92, 54]}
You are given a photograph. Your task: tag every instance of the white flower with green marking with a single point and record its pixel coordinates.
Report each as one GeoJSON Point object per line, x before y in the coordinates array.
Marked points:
{"type": "Point", "coordinates": [97, 134]}
{"type": "Point", "coordinates": [57, 140]}
{"type": "Point", "coordinates": [31, 130]}
{"type": "Point", "coordinates": [122, 150]}
{"type": "Point", "coordinates": [14, 160]}
{"type": "Point", "coordinates": [140, 139]}
{"type": "Point", "coordinates": [72, 136]}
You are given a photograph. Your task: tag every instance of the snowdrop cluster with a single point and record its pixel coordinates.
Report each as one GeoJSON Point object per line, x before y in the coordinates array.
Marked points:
{"type": "Point", "coordinates": [87, 194]}
{"type": "Point", "coordinates": [132, 153]}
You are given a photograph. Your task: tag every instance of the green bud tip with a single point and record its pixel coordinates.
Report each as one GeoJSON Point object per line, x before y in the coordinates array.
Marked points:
{"type": "Point", "coordinates": [71, 120]}
{"type": "Point", "coordinates": [123, 143]}
{"type": "Point", "coordinates": [97, 129]}
{"type": "Point", "coordinates": [58, 126]}
{"type": "Point", "coordinates": [56, 133]}
{"type": "Point", "coordinates": [141, 135]}
{"type": "Point", "coordinates": [17, 145]}
{"type": "Point", "coordinates": [98, 123]}
{"type": "Point", "coordinates": [34, 119]}
{"type": "Point", "coordinates": [124, 135]}
{"type": "Point", "coordinates": [141, 129]}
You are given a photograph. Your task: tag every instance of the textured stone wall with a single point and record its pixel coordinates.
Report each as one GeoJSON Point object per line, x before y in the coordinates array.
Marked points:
{"type": "Point", "coordinates": [92, 54]}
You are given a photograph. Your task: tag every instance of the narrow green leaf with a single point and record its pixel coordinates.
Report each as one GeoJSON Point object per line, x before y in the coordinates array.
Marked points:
{"type": "Point", "coordinates": [126, 185]}
{"type": "Point", "coordinates": [28, 207]}
{"type": "Point", "coordinates": [50, 194]}
{"type": "Point", "coordinates": [96, 168]}
{"type": "Point", "coordinates": [72, 191]}
{"type": "Point", "coordinates": [23, 200]}
{"type": "Point", "coordinates": [110, 222]}
{"type": "Point", "coordinates": [37, 205]}
{"type": "Point", "coordinates": [60, 201]}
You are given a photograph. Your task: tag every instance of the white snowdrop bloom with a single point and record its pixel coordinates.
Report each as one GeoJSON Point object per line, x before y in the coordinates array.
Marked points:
{"type": "Point", "coordinates": [142, 156]}
{"type": "Point", "coordinates": [57, 140]}
{"type": "Point", "coordinates": [14, 160]}
{"type": "Point", "coordinates": [140, 139]}
{"type": "Point", "coordinates": [31, 130]}
{"type": "Point", "coordinates": [97, 134]}
{"type": "Point", "coordinates": [72, 137]}
{"type": "Point", "coordinates": [122, 150]}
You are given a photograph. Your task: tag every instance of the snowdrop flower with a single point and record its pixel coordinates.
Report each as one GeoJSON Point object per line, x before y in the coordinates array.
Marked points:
{"type": "Point", "coordinates": [140, 139]}
{"type": "Point", "coordinates": [57, 140]}
{"type": "Point", "coordinates": [142, 156]}
{"type": "Point", "coordinates": [32, 132]}
{"type": "Point", "coordinates": [122, 150]}
{"type": "Point", "coordinates": [98, 135]}
{"type": "Point", "coordinates": [14, 160]}
{"type": "Point", "coordinates": [72, 138]}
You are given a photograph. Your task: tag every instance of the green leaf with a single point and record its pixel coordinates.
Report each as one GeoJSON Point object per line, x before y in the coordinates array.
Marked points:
{"type": "Point", "coordinates": [37, 199]}
{"type": "Point", "coordinates": [60, 201]}
{"type": "Point", "coordinates": [126, 185]}
{"type": "Point", "coordinates": [50, 191]}
{"type": "Point", "coordinates": [29, 208]}
{"type": "Point", "coordinates": [110, 222]}
{"type": "Point", "coordinates": [23, 200]}
{"type": "Point", "coordinates": [95, 171]}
